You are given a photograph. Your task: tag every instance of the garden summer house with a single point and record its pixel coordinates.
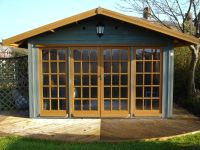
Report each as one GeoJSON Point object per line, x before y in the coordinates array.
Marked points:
{"type": "Point", "coordinates": [101, 63]}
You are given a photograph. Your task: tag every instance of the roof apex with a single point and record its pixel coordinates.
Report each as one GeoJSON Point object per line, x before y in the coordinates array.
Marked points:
{"type": "Point", "coordinates": [102, 11]}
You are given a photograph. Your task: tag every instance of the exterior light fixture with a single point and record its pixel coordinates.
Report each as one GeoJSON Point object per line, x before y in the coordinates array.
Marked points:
{"type": "Point", "coordinates": [100, 29]}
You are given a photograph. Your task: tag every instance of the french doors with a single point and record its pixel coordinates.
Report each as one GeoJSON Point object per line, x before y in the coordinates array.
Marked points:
{"type": "Point", "coordinates": [96, 81]}
{"type": "Point", "coordinates": [100, 81]}
{"type": "Point", "coordinates": [53, 82]}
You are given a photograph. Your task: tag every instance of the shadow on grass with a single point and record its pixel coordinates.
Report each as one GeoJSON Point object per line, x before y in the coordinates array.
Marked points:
{"type": "Point", "coordinates": [19, 143]}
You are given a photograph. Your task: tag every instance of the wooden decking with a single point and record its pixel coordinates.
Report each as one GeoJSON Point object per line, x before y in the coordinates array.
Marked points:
{"type": "Point", "coordinates": [99, 129]}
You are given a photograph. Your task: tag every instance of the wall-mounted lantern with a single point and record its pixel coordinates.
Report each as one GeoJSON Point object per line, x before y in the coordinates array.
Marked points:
{"type": "Point", "coordinates": [100, 29]}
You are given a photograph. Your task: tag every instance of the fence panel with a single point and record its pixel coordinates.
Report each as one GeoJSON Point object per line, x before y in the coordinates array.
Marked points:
{"type": "Point", "coordinates": [14, 83]}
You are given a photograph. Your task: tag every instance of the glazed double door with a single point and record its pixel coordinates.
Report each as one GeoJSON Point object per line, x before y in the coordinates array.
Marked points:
{"type": "Point", "coordinates": [100, 81]}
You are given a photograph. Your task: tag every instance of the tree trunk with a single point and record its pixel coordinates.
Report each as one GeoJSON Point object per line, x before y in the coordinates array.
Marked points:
{"type": "Point", "coordinates": [191, 90]}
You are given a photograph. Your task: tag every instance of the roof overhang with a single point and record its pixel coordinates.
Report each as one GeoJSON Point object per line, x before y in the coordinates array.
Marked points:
{"type": "Point", "coordinates": [181, 38]}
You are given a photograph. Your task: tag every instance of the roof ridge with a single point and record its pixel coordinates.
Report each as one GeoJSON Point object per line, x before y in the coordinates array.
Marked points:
{"type": "Point", "coordinates": [101, 11]}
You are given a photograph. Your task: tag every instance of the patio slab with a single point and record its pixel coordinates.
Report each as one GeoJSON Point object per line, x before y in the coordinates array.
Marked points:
{"type": "Point", "coordinates": [87, 130]}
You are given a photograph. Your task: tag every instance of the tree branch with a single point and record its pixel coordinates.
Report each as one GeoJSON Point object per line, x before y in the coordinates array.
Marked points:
{"type": "Point", "coordinates": [174, 16]}
{"type": "Point", "coordinates": [154, 15]}
{"type": "Point", "coordinates": [186, 16]}
{"type": "Point", "coordinates": [181, 11]}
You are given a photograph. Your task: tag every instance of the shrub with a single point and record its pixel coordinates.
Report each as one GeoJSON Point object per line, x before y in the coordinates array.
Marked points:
{"type": "Point", "coordinates": [182, 59]}
{"type": "Point", "coordinates": [181, 66]}
{"type": "Point", "coordinates": [193, 105]}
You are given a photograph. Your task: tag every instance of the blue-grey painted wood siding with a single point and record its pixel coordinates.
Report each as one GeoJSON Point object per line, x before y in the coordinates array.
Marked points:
{"type": "Point", "coordinates": [116, 32]}
{"type": "Point", "coordinates": [168, 81]}
{"type": "Point", "coordinates": [33, 81]}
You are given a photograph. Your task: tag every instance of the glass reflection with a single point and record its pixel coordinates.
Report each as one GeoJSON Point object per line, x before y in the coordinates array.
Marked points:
{"type": "Point", "coordinates": [107, 105]}
{"type": "Point", "coordinates": [85, 66]}
{"type": "Point", "coordinates": [85, 104]}
{"type": "Point", "coordinates": [148, 54]}
{"type": "Point", "coordinates": [53, 67]}
{"type": "Point", "coordinates": [124, 92]}
{"type": "Point", "coordinates": [93, 67]}
{"type": "Point", "coordinates": [77, 92]}
{"type": "Point", "coordinates": [77, 67]}
{"type": "Point", "coordinates": [139, 104]}
{"type": "Point", "coordinates": [139, 79]}
{"type": "Point", "coordinates": [62, 67]}
{"type": "Point", "coordinates": [77, 54]}
{"type": "Point", "coordinates": [45, 54]}
{"type": "Point", "coordinates": [62, 92]}
{"type": "Point", "coordinates": [93, 92]}
{"type": "Point", "coordinates": [124, 54]}
{"type": "Point", "coordinates": [156, 66]}
{"type": "Point", "coordinates": [155, 104]}
{"type": "Point", "coordinates": [53, 54]}
{"type": "Point", "coordinates": [107, 79]}
{"type": "Point", "coordinates": [139, 54]}
{"type": "Point", "coordinates": [124, 67]}
{"type": "Point", "coordinates": [93, 55]}
{"type": "Point", "coordinates": [45, 67]}
{"type": "Point", "coordinates": [45, 92]}
{"type": "Point", "coordinates": [148, 66]}
{"type": "Point", "coordinates": [147, 104]}
{"type": "Point", "coordinates": [115, 67]}
{"type": "Point", "coordinates": [85, 91]}
{"type": "Point", "coordinates": [62, 80]}
{"type": "Point", "coordinates": [124, 79]}
{"type": "Point", "coordinates": [115, 54]}
{"type": "Point", "coordinates": [106, 54]}
{"type": "Point", "coordinates": [45, 80]}
{"type": "Point", "coordinates": [155, 91]}
{"type": "Point", "coordinates": [107, 92]}
{"type": "Point", "coordinates": [93, 79]}
{"type": "Point", "coordinates": [54, 80]}
{"type": "Point", "coordinates": [156, 79]}
{"type": "Point", "coordinates": [147, 92]}
{"type": "Point", "coordinates": [54, 92]}
{"type": "Point", "coordinates": [54, 105]}
{"type": "Point", "coordinates": [46, 104]}
{"type": "Point", "coordinates": [139, 91]}
{"type": "Point", "coordinates": [115, 104]}
{"type": "Point", "coordinates": [77, 80]}
{"type": "Point", "coordinates": [115, 92]}
{"type": "Point", "coordinates": [147, 79]}
{"type": "Point", "coordinates": [124, 105]}
{"type": "Point", "coordinates": [62, 104]}
{"type": "Point", "coordinates": [156, 54]}
{"type": "Point", "coordinates": [61, 54]}
{"type": "Point", "coordinates": [94, 105]}
{"type": "Point", "coordinates": [77, 105]}
{"type": "Point", "coordinates": [85, 55]}
{"type": "Point", "coordinates": [107, 67]}
{"type": "Point", "coordinates": [85, 80]}
{"type": "Point", "coordinates": [139, 67]}
{"type": "Point", "coordinates": [115, 79]}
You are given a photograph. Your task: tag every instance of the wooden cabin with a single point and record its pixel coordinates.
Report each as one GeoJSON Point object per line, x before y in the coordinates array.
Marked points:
{"type": "Point", "coordinates": [100, 64]}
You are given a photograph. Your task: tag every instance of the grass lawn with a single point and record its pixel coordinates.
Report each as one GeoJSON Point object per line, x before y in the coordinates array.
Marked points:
{"type": "Point", "coordinates": [20, 143]}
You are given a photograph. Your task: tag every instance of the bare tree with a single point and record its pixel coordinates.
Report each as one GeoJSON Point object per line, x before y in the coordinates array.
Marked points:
{"type": "Point", "coordinates": [179, 13]}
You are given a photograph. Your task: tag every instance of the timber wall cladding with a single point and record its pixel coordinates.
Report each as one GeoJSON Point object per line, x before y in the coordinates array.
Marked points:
{"type": "Point", "coordinates": [14, 83]}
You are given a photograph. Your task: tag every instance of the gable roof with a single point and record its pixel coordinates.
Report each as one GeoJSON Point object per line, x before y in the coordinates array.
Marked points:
{"type": "Point", "coordinates": [188, 39]}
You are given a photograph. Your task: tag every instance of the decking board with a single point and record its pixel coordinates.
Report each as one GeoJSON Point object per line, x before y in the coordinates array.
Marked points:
{"type": "Point", "coordinates": [87, 130]}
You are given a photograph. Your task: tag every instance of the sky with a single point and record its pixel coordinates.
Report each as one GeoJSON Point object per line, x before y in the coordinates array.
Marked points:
{"type": "Point", "coordinates": [18, 16]}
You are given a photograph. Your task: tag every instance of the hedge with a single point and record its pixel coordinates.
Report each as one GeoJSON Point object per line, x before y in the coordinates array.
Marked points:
{"type": "Point", "coordinates": [181, 66]}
